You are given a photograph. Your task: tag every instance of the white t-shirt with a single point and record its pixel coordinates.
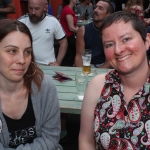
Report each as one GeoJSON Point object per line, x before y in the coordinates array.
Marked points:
{"type": "Point", "coordinates": [43, 34]}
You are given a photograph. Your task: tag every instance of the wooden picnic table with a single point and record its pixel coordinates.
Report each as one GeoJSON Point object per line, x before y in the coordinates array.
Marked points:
{"type": "Point", "coordinates": [67, 93]}
{"type": "Point", "coordinates": [83, 22]}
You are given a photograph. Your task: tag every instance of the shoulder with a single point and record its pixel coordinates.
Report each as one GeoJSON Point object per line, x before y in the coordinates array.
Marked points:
{"type": "Point", "coordinates": [51, 18]}
{"type": "Point", "coordinates": [96, 85]}
{"type": "Point", "coordinates": [7, 1]}
{"type": "Point", "coordinates": [81, 29]}
{"type": "Point", "coordinates": [47, 81]}
{"type": "Point", "coordinates": [46, 85]}
{"type": "Point", "coordinates": [26, 16]}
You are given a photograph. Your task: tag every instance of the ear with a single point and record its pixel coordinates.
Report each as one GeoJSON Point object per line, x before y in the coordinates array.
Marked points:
{"type": "Point", "coordinates": [147, 42]}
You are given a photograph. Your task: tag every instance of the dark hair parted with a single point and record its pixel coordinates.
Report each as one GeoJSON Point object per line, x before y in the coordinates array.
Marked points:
{"type": "Point", "coordinates": [110, 8]}
{"type": "Point", "coordinates": [66, 2]}
{"type": "Point", "coordinates": [125, 16]}
{"type": "Point", "coordinates": [7, 26]}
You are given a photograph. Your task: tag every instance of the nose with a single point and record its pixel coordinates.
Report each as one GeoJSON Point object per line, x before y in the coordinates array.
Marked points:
{"type": "Point", "coordinates": [20, 59]}
{"type": "Point", "coordinates": [119, 48]}
{"type": "Point", "coordinates": [33, 11]}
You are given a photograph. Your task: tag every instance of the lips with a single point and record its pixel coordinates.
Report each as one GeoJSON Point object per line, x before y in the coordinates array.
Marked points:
{"type": "Point", "coordinates": [124, 57]}
{"type": "Point", "coordinates": [18, 71]}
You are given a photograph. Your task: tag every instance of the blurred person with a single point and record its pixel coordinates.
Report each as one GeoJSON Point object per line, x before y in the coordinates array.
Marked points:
{"type": "Point", "coordinates": [115, 109]}
{"type": "Point", "coordinates": [44, 29]}
{"type": "Point", "coordinates": [6, 7]}
{"type": "Point", "coordinates": [68, 21]}
{"type": "Point", "coordinates": [49, 8]}
{"type": "Point", "coordinates": [84, 6]}
{"type": "Point", "coordinates": [59, 9]}
{"type": "Point", "coordinates": [29, 112]}
{"type": "Point", "coordinates": [88, 36]}
{"type": "Point", "coordinates": [136, 6]}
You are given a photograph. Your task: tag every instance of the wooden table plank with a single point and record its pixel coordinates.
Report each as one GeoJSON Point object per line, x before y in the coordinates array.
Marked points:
{"type": "Point", "coordinates": [67, 92]}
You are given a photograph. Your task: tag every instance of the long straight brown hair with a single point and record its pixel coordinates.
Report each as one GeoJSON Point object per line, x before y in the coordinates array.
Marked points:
{"type": "Point", "coordinates": [7, 26]}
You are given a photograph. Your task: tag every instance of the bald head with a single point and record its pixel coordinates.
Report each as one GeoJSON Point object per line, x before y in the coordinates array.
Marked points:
{"type": "Point", "coordinates": [42, 2]}
{"type": "Point", "coordinates": [37, 9]}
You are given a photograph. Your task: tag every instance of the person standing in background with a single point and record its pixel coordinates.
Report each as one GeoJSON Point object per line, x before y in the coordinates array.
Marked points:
{"type": "Point", "coordinates": [6, 7]}
{"type": "Point", "coordinates": [45, 29]}
{"type": "Point", "coordinates": [68, 20]}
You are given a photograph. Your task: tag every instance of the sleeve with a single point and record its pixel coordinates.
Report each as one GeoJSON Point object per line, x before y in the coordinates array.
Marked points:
{"type": "Point", "coordinates": [7, 1]}
{"type": "Point", "coordinates": [59, 31]}
{"type": "Point", "coordinates": [50, 120]}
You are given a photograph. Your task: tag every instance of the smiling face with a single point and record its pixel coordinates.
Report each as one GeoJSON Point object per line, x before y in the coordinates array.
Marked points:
{"type": "Point", "coordinates": [15, 56]}
{"type": "Point", "coordinates": [124, 47]}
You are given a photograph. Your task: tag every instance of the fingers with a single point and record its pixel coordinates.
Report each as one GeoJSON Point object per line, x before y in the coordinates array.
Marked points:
{"type": "Point", "coordinates": [53, 64]}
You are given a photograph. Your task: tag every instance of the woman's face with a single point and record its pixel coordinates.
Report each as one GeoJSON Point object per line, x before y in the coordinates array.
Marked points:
{"type": "Point", "coordinates": [124, 48]}
{"type": "Point", "coordinates": [15, 56]}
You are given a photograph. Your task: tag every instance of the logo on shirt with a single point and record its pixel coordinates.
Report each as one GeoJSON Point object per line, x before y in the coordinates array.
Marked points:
{"type": "Point", "coordinates": [47, 30]}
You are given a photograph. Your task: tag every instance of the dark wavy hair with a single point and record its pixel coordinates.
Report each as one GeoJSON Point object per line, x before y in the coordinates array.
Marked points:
{"type": "Point", "coordinates": [7, 26]}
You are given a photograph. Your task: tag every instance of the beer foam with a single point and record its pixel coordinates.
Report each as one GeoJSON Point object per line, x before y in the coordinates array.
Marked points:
{"type": "Point", "coordinates": [86, 64]}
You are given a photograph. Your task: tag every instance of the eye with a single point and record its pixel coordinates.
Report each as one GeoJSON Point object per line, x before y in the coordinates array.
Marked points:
{"type": "Point", "coordinates": [28, 52]}
{"type": "Point", "coordinates": [12, 51]}
{"type": "Point", "coordinates": [126, 39]}
{"type": "Point", "coordinates": [109, 45]}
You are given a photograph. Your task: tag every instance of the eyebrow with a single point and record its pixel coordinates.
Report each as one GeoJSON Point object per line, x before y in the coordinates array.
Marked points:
{"type": "Point", "coordinates": [119, 37]}
{"type": "Point", "coordinates": [16, 46]}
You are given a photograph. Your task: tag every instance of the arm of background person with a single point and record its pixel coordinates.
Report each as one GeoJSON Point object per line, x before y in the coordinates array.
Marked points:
{"type": "Point", "coordinates": [106, 65]}
{"type": "Point", "coordinates": [70, 23]}
{"type": "Point", "coordinates": [9, 9]}
{"type": "Point", "coordinates": [80, 46]}
{"type": "Point", "coordinates": [86, 135]}
{"type": "Point", "coordinates": [61, 52]}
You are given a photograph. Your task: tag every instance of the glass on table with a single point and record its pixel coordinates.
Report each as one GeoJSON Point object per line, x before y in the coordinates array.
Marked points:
{"type": "Point", "coordinates": [86, 59]}
{"type": "Point", "coordinates": [81, 81]}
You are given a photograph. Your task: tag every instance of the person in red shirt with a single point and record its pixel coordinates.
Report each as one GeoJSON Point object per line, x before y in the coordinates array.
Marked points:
{"type": "Point", "coordinates": [68, 21]}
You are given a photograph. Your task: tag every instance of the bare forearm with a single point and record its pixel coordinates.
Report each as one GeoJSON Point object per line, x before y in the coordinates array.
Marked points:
{"type": "Point", "coordinates": [86, 145]}
{"type": "Point", "coordinates": [7, 10]}
{"type": "Point", "coordinates": [61, 53]}
{"type": "Point", "coordinates": [73, 29]}
{"type": "Point", "coordinates": [78, 61]}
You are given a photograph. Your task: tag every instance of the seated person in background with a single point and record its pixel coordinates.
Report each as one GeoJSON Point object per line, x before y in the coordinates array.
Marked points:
{"type": "Point", "coordinates": [29, 112]}
{"type": "Point", "coordinates": [68, 21]}
{"type": "Point", "coordinates": [82, 7]}
{"type": "Point", "coordinates": [117, 103]}
{"type": "Point", "coordinates": [136, 6]}
{"type": "Point", "coordinates": [44, 29]}
{"type": "Point", "coordinates": [88, 36]}
{"type": "Point", "coordinates": [6, 7]}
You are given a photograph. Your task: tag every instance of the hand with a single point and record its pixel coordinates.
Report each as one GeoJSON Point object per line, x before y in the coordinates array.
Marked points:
{"type": "Point", "coordinates": [147, 20]}
{"type": "Point", "coordinates": [147, 10]}
{"type": "Point", "coordinates": [53, 64]}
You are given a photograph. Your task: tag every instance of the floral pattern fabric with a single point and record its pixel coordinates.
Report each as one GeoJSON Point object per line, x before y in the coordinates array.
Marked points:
{"type": "Point", "coordinates": [121, 126]}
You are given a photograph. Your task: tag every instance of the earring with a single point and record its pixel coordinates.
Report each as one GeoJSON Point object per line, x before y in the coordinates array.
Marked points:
{"type": "Point", "coordinates": [34, 70]}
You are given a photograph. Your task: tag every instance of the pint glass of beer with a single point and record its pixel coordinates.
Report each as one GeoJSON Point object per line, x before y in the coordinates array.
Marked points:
{"type": "Point", "coordinates": [86, 58]}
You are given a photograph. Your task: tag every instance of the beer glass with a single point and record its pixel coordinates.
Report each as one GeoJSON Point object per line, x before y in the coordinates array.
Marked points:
{"type": "Point", "coordinates": [86, 59]}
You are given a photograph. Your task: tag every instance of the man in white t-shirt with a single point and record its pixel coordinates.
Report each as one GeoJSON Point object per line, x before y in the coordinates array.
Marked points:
{"type": "Point", "coordinates": [44, 29]}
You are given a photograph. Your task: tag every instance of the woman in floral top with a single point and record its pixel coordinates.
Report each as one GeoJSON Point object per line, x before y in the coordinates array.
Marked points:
{"type": "Point", "coordinates": [116, 107]}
